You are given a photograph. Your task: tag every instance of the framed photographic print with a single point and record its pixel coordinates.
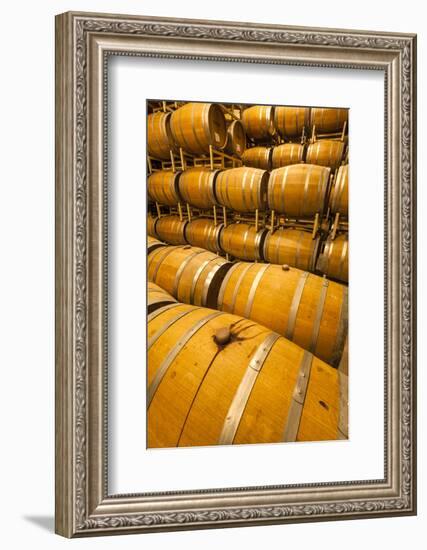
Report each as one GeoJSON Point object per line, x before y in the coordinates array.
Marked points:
{"type": "Point", "coordinates": [235, 274]}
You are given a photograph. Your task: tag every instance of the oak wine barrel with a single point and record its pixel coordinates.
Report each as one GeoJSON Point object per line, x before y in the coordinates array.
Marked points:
{"type": "Point", "coordinates": [287, 153]}
{"type": "Point", "coordinates": [258, 121]}
{"type": "Point", "coordinates": [242, 241]}
{"type": "Point", "coordinates": [236, 139]}
{"type": "Point", "coordinates": [326, 152]}
{"type": "Point", "coordinates": [305, 308]}
{"type": "Point", "coordinates": [195, 126]}
{"type": "Point", "coordinates": [243, 189]}
{"type": "Point", "coordinates": [291, 121]}
{"type": "Point", "coordinates": [171, 229]}
{"type": "Point", "coordinates": [159, 137]}
{"type": "Point", "coordinates": [328, 120]}
{"type": "Point", "coordinates": [192, 275]}
{"type": "Point", "coordinates": [151, 226]}
{"type": "Point", "coordinates": [333, 260]}
{"type": "Point", "coordinates": [196, 187]}
{"type": "Point", "coordinates": [203, 232]}
{"type": "Point", "coordinates": [217, 379]}
{"type": "Point", "coordinates": [292, 247]}
{"type": "Point", "coordinates": [162, 187]}
{"type": "Point", "coordinates": [339, 193]}
{"type": "Point", "coordinates": [153, 243]}
{"type": "Point", "coordinates": [257, 157]}
{"type": "Point", "coordinates": [157, 297]}
{"type": "Point", "coordinates": [298, 190]}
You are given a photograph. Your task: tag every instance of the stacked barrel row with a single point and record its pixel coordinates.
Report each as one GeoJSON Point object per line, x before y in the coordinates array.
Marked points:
{"type": "Point", "coordinates": [247, 339]}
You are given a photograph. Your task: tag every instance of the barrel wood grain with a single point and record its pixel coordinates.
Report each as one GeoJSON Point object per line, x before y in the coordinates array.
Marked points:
{"type": "Point", "coordinates": [292, 247]}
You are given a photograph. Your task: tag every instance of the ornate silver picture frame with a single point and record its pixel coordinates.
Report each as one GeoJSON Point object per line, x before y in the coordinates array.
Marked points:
{"type": "Point", "coordinates": [84, 42]}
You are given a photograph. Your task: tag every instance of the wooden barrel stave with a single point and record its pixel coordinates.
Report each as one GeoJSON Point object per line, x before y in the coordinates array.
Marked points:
{"type": "Point", "coordinates": [298, 190]}
{"type": "Point", "coordinates": [292, 247]}
{"type": "Point", "coordinates": [328, 120]}
{"type": "Point", "coordinates": [333, 261]}
{"type": "Point", "coordinates": [196, 126]}
{"type": "Point", "coordinates": [159, 138]}
{"type": "Point", "coordinates": [339, 193]}
{"type": "Point", "coordinates": [243, 189]}
{"type": "Point", "coordinates": [171, 229]}
{"type": "Point", "coordinates": [326, 152]}
{"type": "Point", "coordinates": [257, 157]}
{"type": "Point", "coordinates": [202, 409]}
{"type": "Point", "coordinates": [162, 187]}
{"type": "Point", "coordinates": [308, 308]}
{"type": "Point", "coordinates": [290, 121]}
{"type": "Point", "coordinates": [258, 121]}
{"type": "Point", "coordinates": [151, 227]}
{"type": "Point", "coordinates": [196, 187]}
{"type": "Point", "coordinates": [236, 139]}
{"type": "Point", "coordinates": [153, 243]}
{"type": "Point", "coordinates": [203, 232]}
{"type": "Point", "coordinates": [287, 153]}
{"type": "Point", "coordinates": [241, 240]}
{"type": "Point", "coordinates": [157, 297]}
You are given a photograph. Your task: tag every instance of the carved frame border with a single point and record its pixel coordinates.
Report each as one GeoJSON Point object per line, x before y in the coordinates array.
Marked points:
{"type": "Point", "coordinates": [83, 43]}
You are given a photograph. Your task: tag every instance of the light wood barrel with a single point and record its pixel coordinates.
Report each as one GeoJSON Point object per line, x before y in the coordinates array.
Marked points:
{"type": "Point", "coordinates": [196, 187]}
{"type": "Point", "coordinates": [157, 297]}
{"type": "Point", "coordinates": [291, 247]}
{"type": "Point", "coordinates": [242, 241]}
{"type": "Point", "coordinates": [203, 232]}
{"type": "Point", "coordinates": [287, 153]}
{"type": "Point", "coordinates": [243, 189]}
{"type": "Point", "coordinates": [192, 275]}
{"type": "Point", "coordinates": [153, 243]}
{"type": "Point", "coordinates": [326, 152]}
{"type": "Point", "coordinates": [236, 139]}
{"type": "Point", "coordinates": [328, 120]}
{"type": "Point", "coordinates": [151, 226]}
{"type": "Point", "coordinates": [257, 157]}
{"type": "Point", "coordinates": [159, 137]}
{"type": "Point", "coordinates": [339, 193]}
{"type": "Point", "coordinates": [162, 187]}
{"type": "Point", "coordinates": [195, 126]}
{"type": "Point", "coordinates": [171, 229]}
{"type": "Point", "coordinates": [333, 261]}
{"type": "Point", "coordinates": [290, 121]}
{"type": "Point", "coordinates": [298, 190]}
{"type": "Point", "coordinates": [305, 308]}
{"type": "Point", "coordinates": [217, 379]}
{"type": "Point", "coordinates": [258, 121]}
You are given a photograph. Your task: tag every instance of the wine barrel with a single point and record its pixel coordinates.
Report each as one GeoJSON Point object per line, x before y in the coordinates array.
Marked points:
{"type": "Point", "coordinates": [258, 121]}
{"type": "Point", "coordinates": [151, 226]}
{"type": "Point", "coordinates": [236, 139]}
{"type": "Point", "coordinates": [326, 152]}
{"type": "Point", "coordinates": [203, 232]}
{"type": "Point", "coordinates": [298, 190]}
{"type": "Point", "coordinates": [157, 297]}
{"type": "Point", "coordinates": [291, 121]}
{"type": "Point", "coordinates": [257, 157]}
{"type": "Point", "coordinates": [328, 120]}
{"type": "Point", "coordinates": [162, 187]}
{"type": "Point", "coordinates": [171, 229]}
{"type": "Point", "coordinates": [217, 379]}
{"type": "Point", "coordinates": [333, 260]}
{"type": "Point", "coordinates": [339, 193]}
{"type": "Point", "coordinates": [195, 126]}
{"type": "Point", "coordinates": [196, 187]}
{"type": "Point", "coordinates": [291, 247]}
{"type": "Point", "coordinates": [243, 189]}
{"type": "Point", "coordinates": [192, 275]}
{"type": "Point", "coordinates": [242, 241]}
{"type": "Point", "coordinates": [287, 153]}
{"type": "Point", "coordinates": [159, 137]}
{"type": "Point", "coordinates": [152, 244]}
{"type": "Point", "coordinates": [303, 307]}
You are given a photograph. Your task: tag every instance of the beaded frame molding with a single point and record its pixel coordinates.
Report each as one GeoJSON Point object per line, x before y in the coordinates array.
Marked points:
{"type": "Point", "coordinates": [83, 44]}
